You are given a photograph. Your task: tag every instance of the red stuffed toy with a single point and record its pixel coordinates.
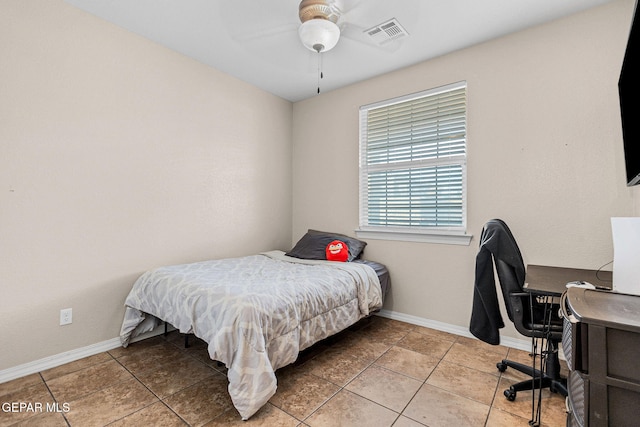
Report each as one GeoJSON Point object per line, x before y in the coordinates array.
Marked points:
{"type": "Point", "coordinates": [337, 251]}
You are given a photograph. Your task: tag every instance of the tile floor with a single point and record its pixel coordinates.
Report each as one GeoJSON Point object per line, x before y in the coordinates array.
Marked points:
{"type": "Point", "coordinates": [380, 372]}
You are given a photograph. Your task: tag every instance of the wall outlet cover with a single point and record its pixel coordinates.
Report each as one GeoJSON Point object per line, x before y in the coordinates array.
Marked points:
{"type": "Point", "coordinates": [66, 316]}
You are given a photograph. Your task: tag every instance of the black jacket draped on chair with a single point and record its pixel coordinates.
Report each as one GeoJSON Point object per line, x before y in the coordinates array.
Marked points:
{"type": "Point", "coordinates": [497, 244]}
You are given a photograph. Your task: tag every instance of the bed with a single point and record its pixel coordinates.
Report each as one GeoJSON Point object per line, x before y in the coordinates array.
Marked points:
{"type": "Point", "coordinates": [257, 312]}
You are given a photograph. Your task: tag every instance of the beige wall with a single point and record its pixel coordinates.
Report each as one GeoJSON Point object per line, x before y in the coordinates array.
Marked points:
{"type": "Point", "coordinates": [116, 156]}
{"type": "Point", "coordinates": [544, 154]}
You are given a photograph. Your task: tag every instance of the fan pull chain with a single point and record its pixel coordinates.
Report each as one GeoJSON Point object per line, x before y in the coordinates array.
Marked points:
{"type": "Point", "coordinates": [320, 74]}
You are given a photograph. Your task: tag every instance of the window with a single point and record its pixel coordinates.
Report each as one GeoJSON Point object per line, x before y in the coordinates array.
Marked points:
{"type": "Point", "coordinates": [413, 167]}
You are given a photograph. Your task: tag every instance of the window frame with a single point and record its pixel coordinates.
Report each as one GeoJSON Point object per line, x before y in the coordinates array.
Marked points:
{"type": "Point", "coordinates": [435, 234]}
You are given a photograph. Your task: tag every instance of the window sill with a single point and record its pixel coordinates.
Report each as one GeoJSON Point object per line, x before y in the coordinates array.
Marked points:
{"type": "Point", "coordinates": [443, 237]}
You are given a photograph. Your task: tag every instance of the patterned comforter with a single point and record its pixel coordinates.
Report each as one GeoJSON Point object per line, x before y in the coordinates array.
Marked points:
{"type": "Point", "coordinates": [256, 312]}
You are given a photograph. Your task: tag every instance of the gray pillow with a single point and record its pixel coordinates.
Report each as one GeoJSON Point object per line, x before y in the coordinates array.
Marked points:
{"type": "Point", "coordinates": [314, 243]}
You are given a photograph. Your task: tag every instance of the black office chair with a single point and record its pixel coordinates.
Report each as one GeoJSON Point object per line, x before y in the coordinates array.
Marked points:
{"type": "Point", "coordinates": [531, 317]}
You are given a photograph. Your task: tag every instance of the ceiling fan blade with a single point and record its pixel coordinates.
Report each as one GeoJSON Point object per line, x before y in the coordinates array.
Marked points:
{"type": "Point", "coordinates": [343, 7]}
{"type": "Point", "coordinates": [248, 20]}
{"type": "Point", "coordinates": [263, 33]}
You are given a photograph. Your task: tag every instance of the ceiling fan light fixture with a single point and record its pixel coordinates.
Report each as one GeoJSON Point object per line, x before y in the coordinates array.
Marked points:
{"type": "Point", "coordinates": [319, 34]}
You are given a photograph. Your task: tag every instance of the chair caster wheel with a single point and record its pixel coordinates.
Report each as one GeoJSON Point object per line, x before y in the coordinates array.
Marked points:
{"type": "Point", "coordinates": [510, 394]}
{"type": "Point", "coordinates": [501, 366]}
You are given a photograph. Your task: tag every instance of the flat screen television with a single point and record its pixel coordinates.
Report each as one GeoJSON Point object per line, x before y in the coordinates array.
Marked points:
{"type": "Point", "coordinates": [629, 91]}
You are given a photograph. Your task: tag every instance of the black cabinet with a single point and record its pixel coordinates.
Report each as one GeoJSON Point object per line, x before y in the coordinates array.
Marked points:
{"type": "Point", "coordinates": [601, 342]}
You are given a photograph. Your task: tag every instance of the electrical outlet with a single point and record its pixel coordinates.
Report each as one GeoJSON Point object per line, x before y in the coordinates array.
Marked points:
{"type": "Point", "coordinates": [66, 316]}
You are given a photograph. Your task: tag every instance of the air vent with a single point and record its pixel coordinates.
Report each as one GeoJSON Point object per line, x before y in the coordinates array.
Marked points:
{"type": "Point", "coordinates": [387, 31]}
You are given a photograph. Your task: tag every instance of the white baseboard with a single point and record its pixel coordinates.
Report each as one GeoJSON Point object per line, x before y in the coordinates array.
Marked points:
{"type": "Point", "coordinates": [66, 357]}
{"type": "Point", "coordinates": [57, 360]}
{"type": "Point", "coordinates": [90, 350]}
{"type": "Point", "coordinates": [519, 344]}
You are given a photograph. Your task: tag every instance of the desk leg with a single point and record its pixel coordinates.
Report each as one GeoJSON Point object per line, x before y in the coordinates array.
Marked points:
{"type": "Point", "coordinates": [548, 364]}
{"type": "Point", "coordinates": [535, 408]}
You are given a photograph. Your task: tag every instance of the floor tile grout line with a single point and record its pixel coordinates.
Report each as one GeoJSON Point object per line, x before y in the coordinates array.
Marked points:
{"type": "Point", "coordinates": [495, 392]}
{"type": "Point", "coordinates": [341, 388]}
{"type": "Point", "coordinates": [150, 391]}
{"type": "Point", "coordinates": [66, 420]}
{"type": "Point", "coordinates": [401, 413]}
{"type": "Point", "coordinates": [425, 383]}
{"type": "Point", "coordinates": [441, 359]}
{"type": "Point", "coordinates": [315, 410]}
{"type": "Point", "coordinates": [41, 373]}
{"type": "Point", "coordinates": [93, 391]}
{"type": "Point", "coordinates": [183, 349]}
{"type": "Point", "coordinates": [187, 353]}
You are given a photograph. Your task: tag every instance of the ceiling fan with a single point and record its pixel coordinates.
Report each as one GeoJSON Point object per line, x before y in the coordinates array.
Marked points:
{"type": "Point", "coordinates": [319, 30]}
{"type": "Point", "coordinates": [324, 21]}
{"type": "Point", "coordinates": [319, 23]}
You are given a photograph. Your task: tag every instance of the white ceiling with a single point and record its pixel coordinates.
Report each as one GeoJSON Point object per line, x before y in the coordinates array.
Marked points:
{"type": "Point", "coordinates": [257, 40]}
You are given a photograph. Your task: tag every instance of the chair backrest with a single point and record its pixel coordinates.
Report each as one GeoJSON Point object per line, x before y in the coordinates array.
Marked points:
{"type": "Point", "coordinates": [516, 301]}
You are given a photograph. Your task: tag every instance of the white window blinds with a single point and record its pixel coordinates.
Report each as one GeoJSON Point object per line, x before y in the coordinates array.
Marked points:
{"type": "Point", "coordinates": [413, 162]}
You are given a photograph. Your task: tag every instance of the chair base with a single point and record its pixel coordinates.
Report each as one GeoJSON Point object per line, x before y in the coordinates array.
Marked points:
{"type": "Point", "coordinates": [550, 379]}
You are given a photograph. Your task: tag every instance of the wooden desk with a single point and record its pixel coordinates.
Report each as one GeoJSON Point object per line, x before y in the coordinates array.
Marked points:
{"type": "Point", "coordinates": [552, 281]}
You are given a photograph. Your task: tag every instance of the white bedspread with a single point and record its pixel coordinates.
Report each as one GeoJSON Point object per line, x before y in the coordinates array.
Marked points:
{"type": "Point", "coordinates": [255, 312]}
